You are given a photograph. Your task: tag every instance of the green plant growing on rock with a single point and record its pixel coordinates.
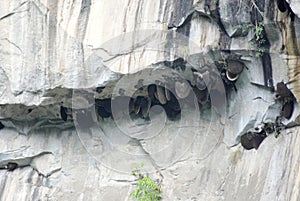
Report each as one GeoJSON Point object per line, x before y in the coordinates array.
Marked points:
{"type": "Point", "coordinates": [259, 40]}
{"type": "Point", "coordinates": [146, 189]}
{"type": "Point", "coordinates": [276, 134]}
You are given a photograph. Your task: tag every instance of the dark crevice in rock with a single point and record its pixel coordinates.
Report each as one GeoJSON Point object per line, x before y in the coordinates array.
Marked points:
{"type": "Point", "coordinates": [225, 41]}
{"type": "Point", "coordinates": [256, 14]}
{"type": "Point", "coordinates": [213, 7]}
{"type": "Point", "coordinates": [282, 5]}
{"type": "Point", "coordinates": [99, 89]}
{"type": "Point", "coordinates": [288, 28]}
{"type": "Point", "coordinates": [214, 13]}
{"type": "Point", "coordinates": [1, 126]}
{"type": "Point", "coordinates": [181, 10]}
{"type": "Point", "coordinates": [63, 113]}
{"type": "Point", "coordinates": [184, 28]}
{"type": "Point", "coordinates": [11, 166]}
{"type": "Point", "coordinates": [123, 181]}
{"type": "Point", "coordinates": [13, 160]}
{"type": "Point", "coordinates": [47, 175]}
{"type": "Point", "coordinates": [28, 118]}
{"type": "Point", "coordinates": [177, 64]}
{"type": "Point", "coordinates": [186, 21]}
{"type": "Point", "coordinates": [15, 11]}
{"type": "Point", "coordinates": [103, 107]}
{"type": "Point", "coordinates": [267, 69]}
{"type": "Point", "coordinates": [7, 15]}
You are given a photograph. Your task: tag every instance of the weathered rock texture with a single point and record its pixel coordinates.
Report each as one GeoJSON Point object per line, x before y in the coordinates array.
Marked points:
{"type": "Point", "coordinates": [58, 59]}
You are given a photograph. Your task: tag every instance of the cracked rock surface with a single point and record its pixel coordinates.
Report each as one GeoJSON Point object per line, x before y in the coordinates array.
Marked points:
{"type": "Point", "coordinates": [90, 89]}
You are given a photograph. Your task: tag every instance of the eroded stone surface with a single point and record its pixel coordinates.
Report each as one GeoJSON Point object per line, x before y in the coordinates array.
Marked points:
{"type": "Point", "coordinates": [217, 172]}
{"type": "Point", "coordinates": [68, 54]}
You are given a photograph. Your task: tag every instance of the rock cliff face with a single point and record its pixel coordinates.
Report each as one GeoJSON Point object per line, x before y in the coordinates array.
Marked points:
{"type": "Point", "coordinates": [91, 88]}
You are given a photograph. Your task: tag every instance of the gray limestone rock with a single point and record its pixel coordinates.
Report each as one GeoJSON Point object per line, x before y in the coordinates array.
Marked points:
{"type": "Point", "coordinates": [94, 58]}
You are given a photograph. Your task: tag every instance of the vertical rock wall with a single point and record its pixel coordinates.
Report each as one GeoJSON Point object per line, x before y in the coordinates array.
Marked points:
{"type": "Point", "coordinates": [58, 59]}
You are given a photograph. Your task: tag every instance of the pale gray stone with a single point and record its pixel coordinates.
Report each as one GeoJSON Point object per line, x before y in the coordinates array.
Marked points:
{"type": "Point", "coordinates": [67, 53]}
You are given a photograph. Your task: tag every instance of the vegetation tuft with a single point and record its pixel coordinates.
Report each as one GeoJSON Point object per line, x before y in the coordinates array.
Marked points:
{"type": "Point", "coordinates": [146, 189]}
